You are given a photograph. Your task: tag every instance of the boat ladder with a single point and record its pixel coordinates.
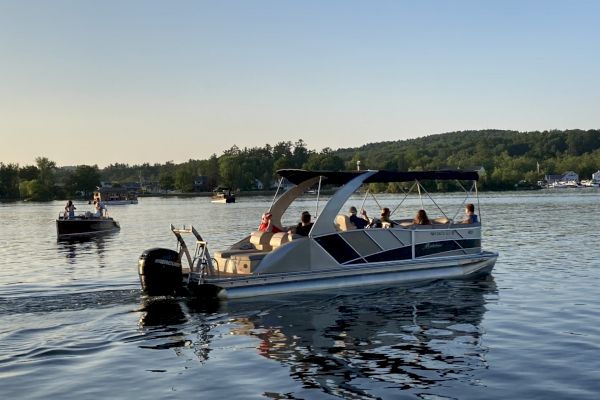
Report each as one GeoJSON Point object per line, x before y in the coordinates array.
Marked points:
{"type": "Point", "coordinates": [200, 264]}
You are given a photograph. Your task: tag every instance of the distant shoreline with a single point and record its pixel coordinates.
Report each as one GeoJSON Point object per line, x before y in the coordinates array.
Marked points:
{"type": "Point", "coordinates": [249, 193]}
{"type": "Point", "coordinates": [205, 194]}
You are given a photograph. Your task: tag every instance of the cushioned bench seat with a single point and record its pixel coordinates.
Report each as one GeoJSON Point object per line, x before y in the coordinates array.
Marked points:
{"type": "Point", "coordinates": [245, 263]}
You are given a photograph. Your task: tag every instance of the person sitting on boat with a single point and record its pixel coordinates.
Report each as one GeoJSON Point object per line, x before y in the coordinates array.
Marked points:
{"type": "Point", "coordinates": [304, 226]}
{"type": "Point", "coordinates": [385, 219]}
{"type": "Point", "coordinates": [69, 210]}
{"type": "Point", "coordinates": [470, 216]}
{"type": "Point", "coordinates": [359, 222]}
{"type": "Point", "coordinates": [266, 225]}
{"type": "Point", "coordinates": [421, 218]}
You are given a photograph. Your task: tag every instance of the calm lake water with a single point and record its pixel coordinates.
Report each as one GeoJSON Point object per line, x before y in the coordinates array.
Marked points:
{"type": "Point", "coordinates": [74, 324]}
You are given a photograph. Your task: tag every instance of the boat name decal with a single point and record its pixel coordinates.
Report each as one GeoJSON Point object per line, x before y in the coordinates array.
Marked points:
{"type": "Point", "coordinates": [453, 233]}
{"type": "Point", "coordinates": [167, 262]}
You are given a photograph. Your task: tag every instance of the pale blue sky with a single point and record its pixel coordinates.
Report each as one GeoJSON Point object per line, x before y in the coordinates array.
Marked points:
{"type": "Point", "coordinates": [85, 82]}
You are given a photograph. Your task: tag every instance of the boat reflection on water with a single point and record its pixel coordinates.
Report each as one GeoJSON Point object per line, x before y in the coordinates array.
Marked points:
{"type": "Point", "coordinates": [163, 321]}
{"type": "Point", "coordinates": [410, 339]}
{"type": "Point", "coordinates": [73, 247]}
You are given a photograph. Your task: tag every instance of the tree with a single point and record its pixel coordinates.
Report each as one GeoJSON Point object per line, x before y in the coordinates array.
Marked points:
{"type": "Point", "coordinates": [167, 181]}
{"type": "Point", "coordinates": [325, 161]}
{"type": "Point", "coordinates": [184, 179]}
{"type": "Point", "coordinates": [9, 181]}
{"type": "Point", "coordinates": [34, 190]}
{"type": "Point", "coordinates": [29, 173]}
{"type": "Point", "coordinates": [84, 179]}
{"type": "Point", "coordinates": [212, 171]}
{"type": "Point", "coordinates": [230, 171]}
{"type": "Point", "coordinates": [46, 174]}
{"type": "Point", "coordinates": [300, 154]}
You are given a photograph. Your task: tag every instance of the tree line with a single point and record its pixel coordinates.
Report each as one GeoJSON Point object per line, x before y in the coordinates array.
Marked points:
{"type": "Point", "coordinates": [508, 157]}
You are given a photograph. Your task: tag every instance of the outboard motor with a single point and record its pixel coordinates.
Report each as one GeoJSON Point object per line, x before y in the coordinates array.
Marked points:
{"type": "Point", "coordinates": [160, 271]}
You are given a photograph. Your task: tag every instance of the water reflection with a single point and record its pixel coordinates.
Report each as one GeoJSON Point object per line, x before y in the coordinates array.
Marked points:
{"type": "Point", "coordinates": [163, 319]}
{"type": "Point", "coordinates": [407, 339]}
{"type": "Point", "coordinates": [74, 247]}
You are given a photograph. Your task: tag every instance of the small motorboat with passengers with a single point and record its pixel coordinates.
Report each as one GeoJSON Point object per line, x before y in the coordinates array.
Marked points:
{"type": "Point", "coordinates": [115, 196]}
{"type": "Point", "coordinates": [334, 254]}
{"type": "Point", "coordinates": [223, 196]}
{"type": "Point", "coordinates": [69, 225]}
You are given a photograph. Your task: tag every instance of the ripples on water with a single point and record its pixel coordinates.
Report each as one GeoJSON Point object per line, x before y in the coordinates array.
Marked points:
{"type": "Point", "coordinates": [73, 323]}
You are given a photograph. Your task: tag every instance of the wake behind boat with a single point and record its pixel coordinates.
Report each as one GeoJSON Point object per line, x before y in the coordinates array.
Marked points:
{"type": "Point", "coordinates": [335, 253]}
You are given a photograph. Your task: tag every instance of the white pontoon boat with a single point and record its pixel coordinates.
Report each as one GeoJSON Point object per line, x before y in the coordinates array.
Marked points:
{"type": "Point", "coordinates": [334, 254]}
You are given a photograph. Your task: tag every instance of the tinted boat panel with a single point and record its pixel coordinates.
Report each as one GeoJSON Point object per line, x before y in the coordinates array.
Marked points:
{"type": "Point", "coordinates": [337, 247]}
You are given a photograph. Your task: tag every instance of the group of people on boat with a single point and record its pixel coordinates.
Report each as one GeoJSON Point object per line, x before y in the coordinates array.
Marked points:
{"type": "Point", "coordinates": [362, 222]}
{"type": "Point", "coordinates": [420, 218]}
{"type": "Point", "coordinates": [301, 229]}
{"type": "Point", "coordinates": [365, 222]}
{"type": "Point", "coordinates": [98, 211]}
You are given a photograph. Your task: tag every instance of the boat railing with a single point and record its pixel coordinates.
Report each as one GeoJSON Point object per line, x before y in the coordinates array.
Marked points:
{"type": "Point", "coordinates": [86, 215]}
{"type": "Point", "coordinates": [201, 262]}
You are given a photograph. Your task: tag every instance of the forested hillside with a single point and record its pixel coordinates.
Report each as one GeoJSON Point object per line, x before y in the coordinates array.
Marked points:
{"type": "Point", "coordinates": [508, 157]}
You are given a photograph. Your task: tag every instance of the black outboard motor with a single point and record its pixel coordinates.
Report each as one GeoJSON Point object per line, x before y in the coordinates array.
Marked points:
{"type": "Point", "coordinates": [160, 272]}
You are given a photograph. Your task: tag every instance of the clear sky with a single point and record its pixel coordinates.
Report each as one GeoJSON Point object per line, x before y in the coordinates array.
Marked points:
{"type": "Point", "coordinates": [99, 82]}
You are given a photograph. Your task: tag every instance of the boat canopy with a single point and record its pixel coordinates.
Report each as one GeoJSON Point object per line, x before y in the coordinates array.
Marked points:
{"type": "Point", "coordinates": [297, 176]}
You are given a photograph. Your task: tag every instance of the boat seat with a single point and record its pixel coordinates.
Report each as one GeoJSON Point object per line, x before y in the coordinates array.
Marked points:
{"type": "Point", "coordinates": [232, 252]}
{"type": "Point", "coordinates": [342, 223]}
{"type": "Point", "coordinates": [441, 220]}
{"type": "Point", "coordinates": [279, 239]}
{"type": "Point", "coordinates": [244, 263]}
{"type": "Point", "coordinates": [261, 240]}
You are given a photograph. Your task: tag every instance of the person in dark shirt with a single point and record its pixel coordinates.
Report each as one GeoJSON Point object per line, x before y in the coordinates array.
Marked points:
{"type": "Point", "coordinates": [305, 225]}
{"type": "Point", "coordinates": [470, 216]}
{"type": "Point", "coordinates": [359, 222]}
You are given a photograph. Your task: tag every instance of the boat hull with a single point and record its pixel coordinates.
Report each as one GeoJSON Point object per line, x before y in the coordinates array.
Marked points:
{"type": "Point", "coordinates": [390, 273]}
{"type": "Point", "coordinates": [85, 226]}
{"type": "Point", "coordinates": [120, 202]}
{"type": "Point", "coordinates": [223, 200]}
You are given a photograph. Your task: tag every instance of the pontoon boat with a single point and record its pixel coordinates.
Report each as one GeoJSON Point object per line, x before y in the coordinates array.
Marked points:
{"type": "Point", "coordinates": [334, 254]}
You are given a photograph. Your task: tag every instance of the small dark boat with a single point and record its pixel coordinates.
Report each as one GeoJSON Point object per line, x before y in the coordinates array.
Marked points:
{"type": "Point", "coordinates": [223, 195]}
{"type": "Point", "coordinates": [84, 225]}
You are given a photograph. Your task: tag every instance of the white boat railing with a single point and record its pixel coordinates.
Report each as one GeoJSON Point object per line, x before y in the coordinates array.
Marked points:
{"type": "Point", "coordinates": [201, 262]}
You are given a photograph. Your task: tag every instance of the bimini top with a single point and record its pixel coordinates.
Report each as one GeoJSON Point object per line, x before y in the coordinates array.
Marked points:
{"type": "Point", "coordinates": [297, 176]}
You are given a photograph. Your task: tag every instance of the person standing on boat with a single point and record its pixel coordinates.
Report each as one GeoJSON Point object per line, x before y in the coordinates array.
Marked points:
{"type": "Point", "coordinates": [103, 209]}
{"type": "Point", "coordinates": [97, 209]}
{"type": "Point", "coordinates": [359, 222]}
{"type": "Point", "coordinates": [69, 210]}
{"type": "Point", "coordinates": [266, 225]}
{"type": "Point", "coordinates": [305, 224]}
{"type": "Point", "coordinates": [470, 216]}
